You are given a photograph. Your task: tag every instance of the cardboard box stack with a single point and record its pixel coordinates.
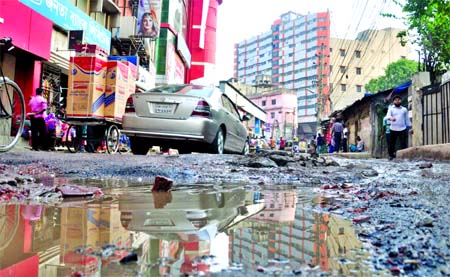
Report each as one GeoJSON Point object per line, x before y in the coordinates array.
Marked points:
{"type": "Point", "coordinates": [86, 89]}
{"type": "Point", "coordinates": [111, 230]}
{"type": "Point", "coordinates": [80, 228]}
{"type": "Point", "coordinates": [120, 84]}
{"type": "Point", "coordinates": [116, 89]}
{"type": "Point", "coordinates": [133, 73]}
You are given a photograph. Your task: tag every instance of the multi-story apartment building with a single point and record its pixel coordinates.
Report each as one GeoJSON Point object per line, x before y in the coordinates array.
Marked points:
{"type": "Point", "coordinates": [355, 62]}
{"type": "Point", "coordinates": [284, 230]}
{"type": "Point", "coordinates": [295, 53]}
{"type": "Point", "coordinates": [288, 230]}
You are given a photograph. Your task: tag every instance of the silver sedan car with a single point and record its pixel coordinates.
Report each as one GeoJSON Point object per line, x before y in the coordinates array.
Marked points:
{"type": "Point", "coordinates": [187, 118]}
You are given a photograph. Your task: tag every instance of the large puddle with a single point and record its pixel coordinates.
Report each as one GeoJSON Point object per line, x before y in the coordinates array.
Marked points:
{"type": "Point", "coordinates": [194, 230]}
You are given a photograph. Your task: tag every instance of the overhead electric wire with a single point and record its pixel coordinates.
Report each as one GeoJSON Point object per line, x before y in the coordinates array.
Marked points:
{"type": "Point", "coordinates": [352, 44]}
{"type": "Point", "coordinates": [371, 33]}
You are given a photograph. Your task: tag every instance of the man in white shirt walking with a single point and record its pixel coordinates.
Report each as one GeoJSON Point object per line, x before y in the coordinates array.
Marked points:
{"type": "Point", "coordinates": [345, 138]}
{"type": "Point", "coordinates": [400, 124]}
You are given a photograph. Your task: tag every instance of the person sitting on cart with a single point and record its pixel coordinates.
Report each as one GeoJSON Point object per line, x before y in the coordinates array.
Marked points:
{"type": "Point", "coordinates": [38, 106]}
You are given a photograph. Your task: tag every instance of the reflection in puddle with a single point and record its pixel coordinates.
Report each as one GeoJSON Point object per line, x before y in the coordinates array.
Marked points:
{"type": "Point", "coordinates": [191, 230]}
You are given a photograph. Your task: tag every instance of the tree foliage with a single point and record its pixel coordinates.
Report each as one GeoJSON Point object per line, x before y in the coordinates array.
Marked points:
{"type": "Point", "coordinates": [395, 74]}
{"type": "Point", "coordinates": [429, 20]}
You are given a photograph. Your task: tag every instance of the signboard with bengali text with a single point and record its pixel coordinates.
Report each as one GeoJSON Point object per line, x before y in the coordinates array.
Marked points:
{"type": "Point", "coordinates": [64, 14]}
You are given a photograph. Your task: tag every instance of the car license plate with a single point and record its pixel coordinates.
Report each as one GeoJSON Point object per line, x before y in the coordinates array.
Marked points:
{"type": "Point", "coordinates": [163, 108]}
{"type": "Point", "coordinates": [158, 222]}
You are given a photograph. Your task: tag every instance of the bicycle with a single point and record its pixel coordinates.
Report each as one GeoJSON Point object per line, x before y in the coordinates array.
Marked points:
{"type": "Point", "coordinates": [12, 106]}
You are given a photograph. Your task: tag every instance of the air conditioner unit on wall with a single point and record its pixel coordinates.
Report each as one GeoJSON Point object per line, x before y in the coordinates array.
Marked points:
{"type": "Point", "coordinates": [127, 26]}
{"type": "Point", "coordinates": [115, 20]}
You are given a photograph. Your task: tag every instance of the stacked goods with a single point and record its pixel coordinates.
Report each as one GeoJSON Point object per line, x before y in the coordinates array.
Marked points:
{"type": "Point", "coordinates": [117, 91]}
{"type": "Point", "coordinates": [132, 62]}
{"type": "Point", "coordinates": [87, 73]}
{"type": "Point", "coordinates": [80, 228]}
{"type": "Point", "coordinates": [111, 230]}
{"type": "Point", "coordinates": [133, 73]}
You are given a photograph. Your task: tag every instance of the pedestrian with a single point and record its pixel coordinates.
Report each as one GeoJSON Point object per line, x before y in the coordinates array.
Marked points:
{"type": "Point", "coordinates": [258, 144]}
{"type": "Point", "coordinates": [386, 129]}
{"type": "Point", "coordinates": [320, 143]}
{"type": "Point", "coordinates": [282, 143]}
{"type": "Point", "coordinates": [313, 146]}
{"type": "Point", "coordinates": [38, 106]}
{"type": "Point", "coordinates": [400, 124]}
{"type": "Point", "coordinates": [313, 143]}
{"type": "Point", "coordinates": [272, 143]}
{"type": "Point", "coordinates": [336, 134]}
{"type": "Point", "coordinates": [50, 123]}
{"type": "Point", "coordinates": [345, 138]}
{"type": "Point", "coordinates": [359, 144]}
{"type": "Point", "coordinates": [295, 140]}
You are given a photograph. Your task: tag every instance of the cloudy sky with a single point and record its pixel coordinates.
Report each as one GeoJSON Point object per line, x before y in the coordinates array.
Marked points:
{"type": "Point", "coordinates": [242, 19]}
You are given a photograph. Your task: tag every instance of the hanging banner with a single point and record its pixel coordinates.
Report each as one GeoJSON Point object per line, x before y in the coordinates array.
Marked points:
{"type": "Point", "coordinates": [257, 128]}
{"type": "Point", "coordinates": [149, 16]}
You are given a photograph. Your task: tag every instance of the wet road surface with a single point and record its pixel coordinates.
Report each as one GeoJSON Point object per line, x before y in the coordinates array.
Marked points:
{"type": "Point", "coordinates": [223, 229]}
{"type": "Point", "coordinates": [228, 215]}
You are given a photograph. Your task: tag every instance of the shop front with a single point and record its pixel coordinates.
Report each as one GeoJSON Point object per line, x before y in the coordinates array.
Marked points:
{"type": "Point", "coordinates": [31, 34]}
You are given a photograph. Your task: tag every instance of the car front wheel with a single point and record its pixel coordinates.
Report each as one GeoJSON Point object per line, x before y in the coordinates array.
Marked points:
{"type": "Point", "coordinates": [218, 143]}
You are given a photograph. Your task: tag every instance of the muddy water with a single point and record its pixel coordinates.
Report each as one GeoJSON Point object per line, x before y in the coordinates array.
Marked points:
{"type": "Point", "coordinates": [226, 229]}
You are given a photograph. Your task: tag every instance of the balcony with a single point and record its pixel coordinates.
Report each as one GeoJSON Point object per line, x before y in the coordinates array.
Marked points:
{"type": "Point", "coordinates": [107, 6]}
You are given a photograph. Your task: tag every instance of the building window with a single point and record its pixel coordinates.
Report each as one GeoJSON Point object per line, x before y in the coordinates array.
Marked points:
{"type": "Point", "coordinates": [358, 88]}
{"type": "Point", "coordinates": [343, 87]}
{"type": "Point", "coordinates": [358, 71]}
{"type": "Point", "coordinates": [357, 53]}
{"type": "Point", "coordinates": [331, 49]}
{"type": "Point", "coordinates": [272, 115]}
{"type": "Point", "coordinates": [331, 68]}
{"type": "Point", "coordinates": [263, 103]}
{"type": "Point", "coordinates": [274, 101]}
{"type": "Point", "coordinates": [342, 52]}
{"type": "Point", "coordinates": [342, 69]}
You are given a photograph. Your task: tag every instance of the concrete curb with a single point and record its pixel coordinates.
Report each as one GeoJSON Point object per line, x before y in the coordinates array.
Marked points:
{"type": "Point", "coordinates": [436, 152]}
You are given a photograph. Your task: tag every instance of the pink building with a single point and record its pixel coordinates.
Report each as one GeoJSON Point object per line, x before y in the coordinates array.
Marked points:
{"type": "Point", "coordinates": [280, 106]}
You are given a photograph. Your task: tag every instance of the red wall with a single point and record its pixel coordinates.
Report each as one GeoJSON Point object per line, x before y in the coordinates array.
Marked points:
{"type": "Point", "coordinates": [208, 53]}
{"type": "Point", "coordinates": [29, 30]}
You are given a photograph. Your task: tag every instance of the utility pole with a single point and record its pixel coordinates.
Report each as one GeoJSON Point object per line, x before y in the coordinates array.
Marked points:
{"type": "Point", "coordinates": [320, 107]}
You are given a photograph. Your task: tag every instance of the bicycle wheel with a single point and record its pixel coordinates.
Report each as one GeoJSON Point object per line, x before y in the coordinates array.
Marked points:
{"type": "Point", "coordinates": [112, 139]}
{"type": "Point", "coordinates": [73, 139]}
{"type": "Point", "coordinates": [12, 114]}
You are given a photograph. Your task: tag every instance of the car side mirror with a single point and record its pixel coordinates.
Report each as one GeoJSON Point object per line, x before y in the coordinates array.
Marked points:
{"type": "Point", "coordinates": [246, 117]}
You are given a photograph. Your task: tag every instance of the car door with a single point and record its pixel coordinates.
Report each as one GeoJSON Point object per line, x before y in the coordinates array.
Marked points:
{"type": "Point", "coordinates": [236, 135]}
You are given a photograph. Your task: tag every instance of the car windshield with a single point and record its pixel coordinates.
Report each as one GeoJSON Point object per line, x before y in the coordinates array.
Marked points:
{"type": "Point", "coordinates": [185, 89]}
